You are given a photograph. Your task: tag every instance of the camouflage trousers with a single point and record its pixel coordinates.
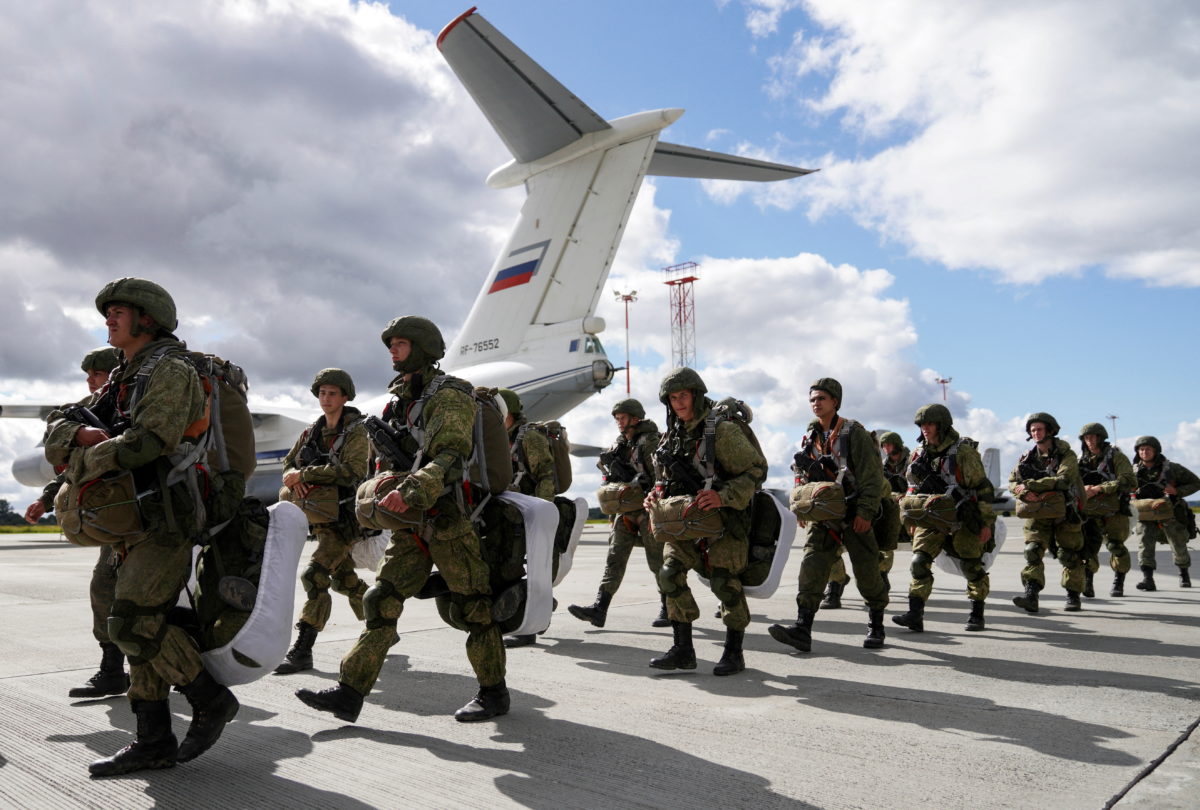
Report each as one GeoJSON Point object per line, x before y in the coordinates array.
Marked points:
{"type": "Point", "coordinates": [719, 561]}
{"type": "Point", "coordinates": [629, 530]}
{"type": "Point", "coordinates": [103, 590]}
{"type": "Point", "coordinates": [838, 573]}
{"type": "Point", "coordinates": [965, 544]}
{"type": "Point", "coordinates": [822, 550]}
{"type": "Point", "coordinates": [1069, 539]}
{"type": "Point", "coordinates": [331, 567]}
{"type": "Point", "coordinates": [1106, 532]}
{"type": "Point", "coordinates": [1169, 531]}
{"type": "Point", "coordinates": [149, 580]}
{"type": "Point", "coordinates": [407, 563]}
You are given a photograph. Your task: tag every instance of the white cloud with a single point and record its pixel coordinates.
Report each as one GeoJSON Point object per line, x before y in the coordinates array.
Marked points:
{"type": "Point", "coordinates": [1033, 138]}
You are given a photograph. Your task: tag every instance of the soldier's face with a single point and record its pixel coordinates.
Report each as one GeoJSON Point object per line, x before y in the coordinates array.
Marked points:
{"type": "Point", "coordinates": [331, 398]}
{"type": "Point", "coordinates": [929, 432]}
{"type": "Point", "coordinates": [823, 405]}
{"type": "Point", "coordinates": [120, 318]}
{"type": "Point", "coordinates": [1092, 441]}
{"type": "Point", "coordinates": [1146, 453]}
{"type": "Point", "coordinates": [400, 348]}
{"type": "Point", "coordinates": [96, 380]}
{"type": "Point", "coordinates": [624, 421]}
{"type": "Point", "coordinates": [682, 404]}
{"type": "Point", "coordinates": [1038, 431]}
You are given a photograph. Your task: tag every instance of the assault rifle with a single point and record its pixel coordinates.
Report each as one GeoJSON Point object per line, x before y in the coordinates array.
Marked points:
{"type": "Point", "coordinates": [617, 468]}
{"type": "Point", "coordinates": [682, 474]}
{"type": "Point", "coordinates": [810, 469]}
{"type": "Point", "coordinates": [1030, 469]}
{"type": "Point", "coordinates": [386, 441]}
{"type": "Point", "coordinates": [84, 416]}
{"type": "Point", "coordinates": [927, 478]}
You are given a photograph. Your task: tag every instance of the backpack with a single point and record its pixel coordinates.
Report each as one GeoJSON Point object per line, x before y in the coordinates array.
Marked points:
{"type": "Point", "coordinates": [489, 467]}
{"type": "Point", "coordinates": [727, 410]}
{"type": "Point", "coordinates": [560, 450]}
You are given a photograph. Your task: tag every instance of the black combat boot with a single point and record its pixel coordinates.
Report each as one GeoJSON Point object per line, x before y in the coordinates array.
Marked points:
{"type": "Point", "coordinates": [1073, 604]}
{"type": "Point", "coordinates": [1185, 581]}
{"type": "Point", "coordinates": [682, 654]}
{"type": "Point", "coordinates": [833, 596]}
{"type": "Point", "coordinates": [798, 635]}
{"type": "Point", "coordinates": [111, 679]}
{"type": "Point", "coordinates": [512, 642]}
{"type": "Point", "coordinates": [1118, 588]}
{"type": "Point", "coordinates": [342, 701]}
{"type": "Point", "coordinates": [1089, 589]}
{"type": "Point", "coordinates": [975, 620]}
{"type": "Point", "coordinates": [489, 701]}
{"type": "Point", "coordinates": [299, 657]}
{"type": "Point", "coordinates": [875, 634]}
{"type": "Point", "coordinates": [597, 613]}
{"type": "Point", "coordinates": [1030, 599]}
{"type": "Point", "coordinates": [914, 619]}
{"type": "Point", "coordinates": [731, 660]}
{"type": "Point", "coordinates": [213, 706]}
{"type": "Point", "coordinates": [154, 746]}
{"type": "Point", "coordinates": [1147, 583]}
{"type": "Point", "coordinates": [662, 620]}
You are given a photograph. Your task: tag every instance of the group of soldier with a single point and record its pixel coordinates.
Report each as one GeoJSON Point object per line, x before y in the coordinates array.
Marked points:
{"type": "Point", "coordinates": [684, 495]}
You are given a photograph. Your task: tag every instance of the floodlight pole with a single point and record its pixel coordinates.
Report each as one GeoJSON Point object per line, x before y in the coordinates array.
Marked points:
{"type": "Point", "coordinates": [627, 298]}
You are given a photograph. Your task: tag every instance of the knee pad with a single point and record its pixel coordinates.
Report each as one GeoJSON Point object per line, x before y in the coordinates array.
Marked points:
{"type": "Point", "coordinates": [973, 570]}
{"type": "Point", "coordinates": [666, 577]}
{"type": "Point", "coordinates": [1033, 553]}
{"type": "Point", "coordinates": [726, 586]}
{"type": "Point", "coordinates": [314, 579]}
{"type": "Point", "coordinates": [138, 648]}
{"type": "Point", "coordinates": [373, 601]}
{"type": "Point", "coordinates": [347, 585]}
{"type": "Point", "coordinates": [920, 566]}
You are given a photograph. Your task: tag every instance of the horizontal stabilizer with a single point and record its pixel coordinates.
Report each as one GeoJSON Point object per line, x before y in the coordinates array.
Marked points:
{"type": "Point", "coordinates": [530, 110]}
{"type": "Point", "coordinates": [673, 160]}
{"type": "Point", "coordinates": [28, 411]}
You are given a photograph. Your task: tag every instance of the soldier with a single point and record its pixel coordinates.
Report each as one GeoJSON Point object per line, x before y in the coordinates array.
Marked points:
{"type": "Point", "coordinates": [1050, 467]}
{"type": "Point", "coordinates": [111, 678]}
{"type": "Point", "coordinates": [846, 446]}
{"type": "Point", "coordinates": [723, 479]}
{"type": "Point", "coordinates": [947, 464]}
{"type": "Point", "coordinates": [1108, 478]}
{"type": "Point", "coordinates": [1157, 478]}
{"type": "Point", "coordinates": [154, 417]}
{"type": "Point", "coordinates": [533, 473]}
{"type": "Point", "coordinates": [629, 461]}
{"type": "Point", "coordinates": [332, 451]}
{"type": "Point", "coordinates": [440, 437]}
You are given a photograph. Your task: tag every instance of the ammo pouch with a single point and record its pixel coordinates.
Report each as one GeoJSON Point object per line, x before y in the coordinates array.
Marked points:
{"type": "Point", "coordinates": [1150, 510]}
{"type": "Point", "coordinates": [818, 501]}
{"type": "Point", "coordinates": [1053, 506]}
{"type": "Point", "coordinates": [887, 525]}
{"type": "Point", "coordinates": [936, 512]}
{"type": "Point", "coordinates": [372, 516]}
{"type": "Point", "coordinates": [99, 512]}
{"type": "Point", "coordinates": [617, 498]}
{"type": "Point", "coordinates": [1102, 505]}
{"type": "Point", "coordinates": [320, 505]}
{"type": "Point", "coordinates": [677, 518]}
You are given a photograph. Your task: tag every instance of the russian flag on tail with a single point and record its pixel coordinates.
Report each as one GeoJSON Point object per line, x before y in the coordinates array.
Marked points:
{"type": "Point", "coordinates": [520, 273]}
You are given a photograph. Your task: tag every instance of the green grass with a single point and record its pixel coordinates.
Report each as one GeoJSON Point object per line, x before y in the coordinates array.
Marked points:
{"type": "Point", "coordinates": [27, 529]}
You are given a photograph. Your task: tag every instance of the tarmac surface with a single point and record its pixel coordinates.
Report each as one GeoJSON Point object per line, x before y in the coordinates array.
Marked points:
{"type": "Point", "coordinates": [1055, 710]}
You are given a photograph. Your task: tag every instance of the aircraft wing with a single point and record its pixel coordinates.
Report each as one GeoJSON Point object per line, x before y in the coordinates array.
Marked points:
{"type": "Point", "coordinates": [673, 160]}
{"type": "Point", "coordinates": [530, 110]}
{"type": "Point", "coordinates": [28, 411]}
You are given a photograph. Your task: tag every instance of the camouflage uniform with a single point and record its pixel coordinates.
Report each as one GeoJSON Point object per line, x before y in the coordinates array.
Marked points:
{"type": "Point", "coordinates": [633, 528]}
{"type": "Point", "coordinates": [1060, 474]}
{"type": "Point", "coordinates": [1158, 473]}
{"type": "Point", "coordinates": [331, 565]}
{"type": "Point", "coordinates": [1110, 531]}
{"type": "Point", "coordinates": [533, 461]}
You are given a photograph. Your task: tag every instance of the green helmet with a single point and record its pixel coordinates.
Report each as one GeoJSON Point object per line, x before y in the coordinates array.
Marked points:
{"type": "Point", "coordinates": [891, 437]}
{"type": "Point", "coordinates": [1094, 428]}
{"type": "Point", "coordinates": [681, 379]}
{"type": "Point", "coordinates": [631, 407]}
{"type": "Point", "coordinates": [427, 344]}
{"type": "Point", "coordinates": [1148, 440]}
{"type": "Point", "coordinates": [511, 401]}
{"type": "Point", "coordinates": [147, 296]}
{"type": "Point", "coordinates": [830, 386]}
{"type": "Point", "coordinates": [935, 412]}
{"type": "Point", "coordinates": [333, 376]}
{"type": "Point", "coordinates": [1046, 419]}
{"type": "Point", "coordinates": [105, 358]}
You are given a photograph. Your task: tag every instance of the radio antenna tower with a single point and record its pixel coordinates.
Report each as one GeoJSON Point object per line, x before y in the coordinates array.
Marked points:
{"type": "Point", "coordinates": [683, 312]}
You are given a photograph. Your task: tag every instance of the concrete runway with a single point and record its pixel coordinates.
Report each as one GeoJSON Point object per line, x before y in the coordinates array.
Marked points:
{"type": "Point", "coordinates": [1055, 710]}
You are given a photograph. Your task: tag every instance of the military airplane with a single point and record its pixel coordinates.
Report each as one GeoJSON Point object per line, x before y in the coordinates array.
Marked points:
{"type": "Point", "coordinates": [533, 326]}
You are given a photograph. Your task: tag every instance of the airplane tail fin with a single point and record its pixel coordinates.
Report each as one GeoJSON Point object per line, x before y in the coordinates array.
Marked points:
{"type": "Point", "coordinates": [991, 463]}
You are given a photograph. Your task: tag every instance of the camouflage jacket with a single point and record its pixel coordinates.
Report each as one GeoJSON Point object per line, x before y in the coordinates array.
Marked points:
{"type": "Point", "coordinates": [1123, 480]}
{"type": "Point", "coordinates": [533, 461]}
{"type": "Point", "coordinates": [347, 465]}
{"type": "Point", "coordinates": [1168, 472]}
{"type": "Point", "coordinates": [442, 433]}
{"type": "Point", "coordinates": [968, 471]}
{"type": "Point", "coordinates": [637, 452]}
{"type": "Point", "coordinates": [864, 463]}
{"type": "Point", "coordinates": [895, 470]}
{"type": "Point", "coordinates": [1062, 470]}
{"type": "Point", "coordinates": [740, 467]}
{"type": "Point", "coordinates": [173, 399]}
